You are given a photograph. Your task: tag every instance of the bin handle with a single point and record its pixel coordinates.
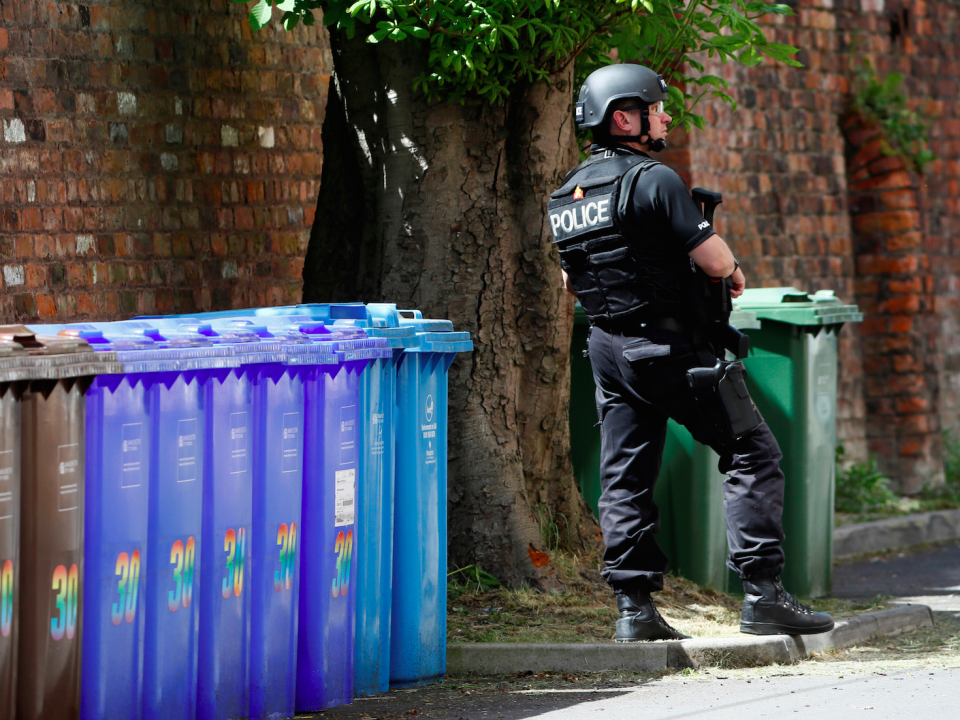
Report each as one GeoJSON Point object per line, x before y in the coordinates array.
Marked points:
{"type": "Point", "coordinates": [414, 314]}
{"type": "Point", "coordinates": [20, 335]}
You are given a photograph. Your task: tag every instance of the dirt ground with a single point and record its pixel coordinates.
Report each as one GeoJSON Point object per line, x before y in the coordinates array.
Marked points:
{"type": "Point", "coordinates": [586, 610]}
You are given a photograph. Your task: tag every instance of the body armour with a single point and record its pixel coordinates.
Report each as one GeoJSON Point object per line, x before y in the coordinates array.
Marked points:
{"type": "Point", "coordinates": [609, 278]}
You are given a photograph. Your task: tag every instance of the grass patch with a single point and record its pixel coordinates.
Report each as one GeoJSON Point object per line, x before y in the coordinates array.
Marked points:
{"type": "Point", "coordinates": [863, 492]}
{"type": "Point", "coordinates": [586, 611]}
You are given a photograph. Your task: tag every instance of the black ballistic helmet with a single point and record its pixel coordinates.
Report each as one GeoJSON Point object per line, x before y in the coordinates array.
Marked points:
{"type": "Point", "coordinates": [615, 82]}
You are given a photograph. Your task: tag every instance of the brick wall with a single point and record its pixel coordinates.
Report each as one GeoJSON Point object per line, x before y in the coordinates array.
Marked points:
{"type": "Point", "coordinates": [156, 157]}
{"type": "Point", "coordinates": [159, 157]}
{"type": "Point", "coordinates": [782, 163]}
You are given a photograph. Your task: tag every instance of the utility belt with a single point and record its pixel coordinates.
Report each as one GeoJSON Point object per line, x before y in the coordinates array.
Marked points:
{"type": "Point", "coordinates": [631, 324]}
{"type": "Point", "coordinates": [717, 380]}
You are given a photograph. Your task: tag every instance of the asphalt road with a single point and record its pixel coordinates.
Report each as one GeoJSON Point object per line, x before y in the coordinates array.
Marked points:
{"type": "Point", "coordinates": [900, 688]}
{"type": "Point", "coordinates": [932, 572]}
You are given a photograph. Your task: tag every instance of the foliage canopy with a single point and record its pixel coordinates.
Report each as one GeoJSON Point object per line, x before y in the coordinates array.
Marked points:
{"type": "Point", "coordinates": [483, 48]}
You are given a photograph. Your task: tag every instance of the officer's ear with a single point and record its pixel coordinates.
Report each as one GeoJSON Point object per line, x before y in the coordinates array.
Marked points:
{"type": "Point", "coordinates": [621, 121]}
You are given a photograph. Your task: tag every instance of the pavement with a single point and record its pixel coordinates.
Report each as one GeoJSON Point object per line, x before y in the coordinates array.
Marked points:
{"type": "Point", "coordinates": [835, 685]}
{"type": "Point", "coordinates": [937, 526]}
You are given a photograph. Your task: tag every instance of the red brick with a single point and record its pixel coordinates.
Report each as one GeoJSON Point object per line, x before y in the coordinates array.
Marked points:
{"type": "Point", "coordinates": [46, 306]}
{"type": "Point", "coordinates": [904, 241]}
{"type": "Point", "coordinates": [894, 221]}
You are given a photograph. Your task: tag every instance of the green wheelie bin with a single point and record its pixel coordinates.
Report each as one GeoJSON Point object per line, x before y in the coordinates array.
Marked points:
{"type": "Point", "coordinates": [792, 377]}
{"type": "Point", "coordinates": [692, 533]}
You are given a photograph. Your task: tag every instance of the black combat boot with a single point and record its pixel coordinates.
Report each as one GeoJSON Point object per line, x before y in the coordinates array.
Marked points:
{"type": "Point", "coordinates": [639, 621]}
{"type": "Point", "coordinates": [768, 609]}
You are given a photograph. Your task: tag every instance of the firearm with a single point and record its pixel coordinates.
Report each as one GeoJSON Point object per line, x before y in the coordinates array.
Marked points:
{"type": "Point", "coordinates": [713, 302]}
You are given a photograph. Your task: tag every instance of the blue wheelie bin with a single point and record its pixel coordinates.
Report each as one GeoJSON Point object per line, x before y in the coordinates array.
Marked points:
{"type": "Point", "coordinates": [224, 672]}
{"type": "Point", "coordinates": [375, 496]}
{"type": "Point", "coordinates": [118, 486]}
{"type": "Point", "coordinates": [418, 621]}
{"type": "Point", "coordinates": [331, 459]}
{"type": "Point", "coordinates": [279, 410]}
{"type": "Point", "coordinates": [175, 529]}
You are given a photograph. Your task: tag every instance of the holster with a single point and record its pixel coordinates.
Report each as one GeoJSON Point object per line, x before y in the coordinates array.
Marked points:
{"type": "Point", "coordinates": [726, 380]}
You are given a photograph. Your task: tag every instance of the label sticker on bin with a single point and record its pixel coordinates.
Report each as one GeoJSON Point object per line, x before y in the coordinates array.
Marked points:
{"type": "Point", "coordinates": [291, 432]}
{"type": "Point", "coordinates": [187, 450]}
{"type": "Point", "coordinates": [68, 460]}
{"type": "Point", "coordinates": [6, 495]}
{"type": "Point", "coordinates": [344, 505]}
{"type": "Point", "coordinates": [130, 455]}
{"type": "Point", "coordinates": [238, 443]}
{"type": "Point", "coordinates": [348, 435]}
{"type": "Point", "coordinates": [376, 419]}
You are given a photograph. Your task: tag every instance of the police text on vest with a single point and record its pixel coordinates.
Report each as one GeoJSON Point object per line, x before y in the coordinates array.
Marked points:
{"type": "Point", "coordinates": [580, 217]}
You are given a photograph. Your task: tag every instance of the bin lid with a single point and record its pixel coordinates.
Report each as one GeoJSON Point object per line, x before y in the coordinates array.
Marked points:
{"type": "Point", "coordinates": [332, 311]}
{"type": "Point", "coordinates": [14, 362]}
{"type": "Point", "coordinates": [427, 324]}
{"type": "Point", "coordinates": [397, 337]}
{"type": "Point", "coordinates": [744, 320]}
{"type": "Point", "coordinates": [795, 307]}
{"type": "Point", "coordinates": [258, 328]}
{"type": "Point", "coordinates": [443, 342]}
{"type": "Point", "coordinates": [243, 341]}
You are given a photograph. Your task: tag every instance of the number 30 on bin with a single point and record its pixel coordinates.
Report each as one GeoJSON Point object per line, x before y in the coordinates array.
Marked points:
{"type": "Point", "coordinates": [128, 570]}
{"type": "Point", "coordinates": [344, 552]}
{"type": "Point", "coordinates": [66, 584]}
{"type": "Point", "coordinates": [182, 559]}
{"type": "Point", "coordinates": [235, 545]}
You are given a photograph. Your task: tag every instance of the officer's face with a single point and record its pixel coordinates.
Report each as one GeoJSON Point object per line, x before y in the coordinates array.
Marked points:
{"type": "Point", "coordinates": [629, 122]}
{"type": "Point", "coordinates": [659, 122]}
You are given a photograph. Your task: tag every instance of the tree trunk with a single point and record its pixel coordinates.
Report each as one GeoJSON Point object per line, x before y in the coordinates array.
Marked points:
{"type": "Point", "coordinates": [442, 208]}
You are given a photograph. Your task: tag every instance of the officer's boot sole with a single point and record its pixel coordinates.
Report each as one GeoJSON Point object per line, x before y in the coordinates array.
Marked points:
{"type": "Point", "coordinates": [761, 628]}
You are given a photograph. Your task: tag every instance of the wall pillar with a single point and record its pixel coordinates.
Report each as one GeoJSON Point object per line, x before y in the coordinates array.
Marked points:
{"type": "Point", "coordinates": [895, 291]}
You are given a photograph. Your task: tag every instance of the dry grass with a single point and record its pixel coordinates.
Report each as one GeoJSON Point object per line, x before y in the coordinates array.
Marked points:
{"type": "Point", "coordinates": [586, 610]}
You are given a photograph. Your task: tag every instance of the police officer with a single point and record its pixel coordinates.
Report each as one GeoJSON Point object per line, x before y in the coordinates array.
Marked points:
{"type": "Point", "coordinates": [634, 249]}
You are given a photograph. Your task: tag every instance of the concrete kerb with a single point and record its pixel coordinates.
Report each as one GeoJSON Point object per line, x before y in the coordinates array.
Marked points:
{"type": "Point", "coordinates": [478, 659]}
{"type": "Point", "coordinates": [896, 533]}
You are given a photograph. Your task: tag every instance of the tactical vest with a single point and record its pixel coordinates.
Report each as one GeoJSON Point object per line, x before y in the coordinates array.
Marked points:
{"type": "Point", "coordinates": [611, 281]}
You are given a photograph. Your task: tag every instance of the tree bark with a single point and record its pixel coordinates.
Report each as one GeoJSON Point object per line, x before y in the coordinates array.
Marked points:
{"type": "Point", "coordinates": [442, 208]}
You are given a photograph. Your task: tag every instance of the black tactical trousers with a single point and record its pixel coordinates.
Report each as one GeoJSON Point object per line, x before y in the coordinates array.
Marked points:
{"type": "Point", "coordinates": [634, 399]}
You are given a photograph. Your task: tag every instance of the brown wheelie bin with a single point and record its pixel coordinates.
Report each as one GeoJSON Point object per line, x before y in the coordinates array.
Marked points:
{"type": "Point", "coordinates": [14, 368]}
{"type": "Point", "coordinates": [51, 521]}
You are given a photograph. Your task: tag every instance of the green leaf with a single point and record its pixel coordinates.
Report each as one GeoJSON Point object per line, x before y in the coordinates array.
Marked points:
{"type": "Point", "coordinates": [309, 19]}
{"type": "Point", "coordinates": [750, 57]}
{"type": "Point", "coordinates": [285, 5]}
{"type": "Point", "coordinates": [260, 15]}
{"type": "Point", "coordinates": [290, 20]}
